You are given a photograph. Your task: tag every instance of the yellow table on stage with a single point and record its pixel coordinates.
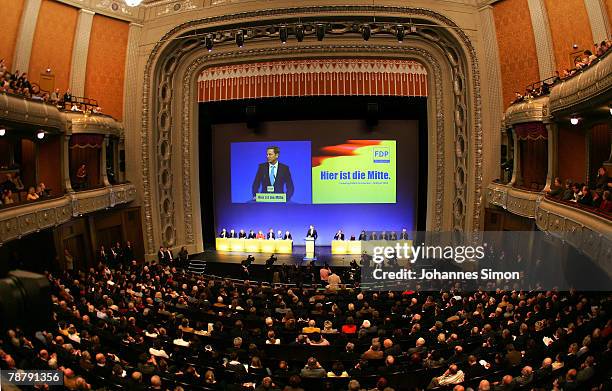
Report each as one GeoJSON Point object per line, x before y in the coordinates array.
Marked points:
{"type": "Point", "coordinates": [351, 247]}
{"type": "Point", "coordinates": [255, 245]}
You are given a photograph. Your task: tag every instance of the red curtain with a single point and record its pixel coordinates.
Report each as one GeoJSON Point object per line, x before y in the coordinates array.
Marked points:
{"type": "Point", "coordinates": [531, 131]}
{"type": "Point", "coordinates": [534, 163]}
{"type": "Point", "coordinates": [86, 141]}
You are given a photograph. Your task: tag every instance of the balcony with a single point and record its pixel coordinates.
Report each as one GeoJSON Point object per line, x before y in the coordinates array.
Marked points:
{"type": "Point", "coordinates": [585, 91]}
{"type": "Point", "coordinates": [23, 219]}
{"type": "Point", "coordinates": [515, 200]}
{"type": "Point", "coordinates": [531, 110]}
{"type": "Point", "coordinates": [20, 110]}
{"type": "Point", "coordinates": [583, 228]}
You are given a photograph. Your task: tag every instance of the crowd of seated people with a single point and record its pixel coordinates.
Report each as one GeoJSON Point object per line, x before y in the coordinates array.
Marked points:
{"type": "Point", "coordinates": [145, 327]}
{"type": "Point", "coordinates": [597, 197]}
{"type": "Point", "coordinates": [17, 83]}
{"type": "Point", "coordinates": [582, 62]}
{"type": "Point", "coordinates": [13, 186]}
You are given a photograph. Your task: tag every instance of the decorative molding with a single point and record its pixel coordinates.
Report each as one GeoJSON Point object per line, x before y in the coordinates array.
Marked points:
{"type": "Point", "coordinates": [467, 116]}
{"type": "Point", "coordinates": [25, 219]}
{"type": "Point", "coordinates": [79, 122]}
{"type": "Point", "coordinates": [589, 88]}
{"type": "Point", "coordinates": [532, 110]}
{"type": "Point", "coordinates": [517, 201]}
{"type": "Point", "coordinates": [25, 36]}
{"type": "Point", "coordinates": [80, 49]}
{"type": "Point", "coordinates": [585, 231]}
{"type": "Point", "coordinates": [113, 8]}
{"type": "Point", "coordinates": [174, 7]}
{"type": "Point", "coordinates": [543, 38]}
{"type": "Point", "coordinates": [27, 111]}
{"type": "Point", "coordinates": [338, 76]}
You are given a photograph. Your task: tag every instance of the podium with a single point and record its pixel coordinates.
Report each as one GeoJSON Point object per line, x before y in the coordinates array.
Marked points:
{"type": "Point", "coordinates": [310, 248]}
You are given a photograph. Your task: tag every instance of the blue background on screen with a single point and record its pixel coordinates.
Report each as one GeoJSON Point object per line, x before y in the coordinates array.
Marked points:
{"type": "Point", "coordinates": [247, 156]}
{"type": "Point", "coordinates": [296, 217]}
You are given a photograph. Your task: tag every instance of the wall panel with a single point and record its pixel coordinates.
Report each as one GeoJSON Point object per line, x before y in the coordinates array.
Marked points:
{"type": "Point", "coordinates": [11, 18]}
{"type": "Point", "coordinates": [52, 46]}
{"type": "Point", "coordinates": [106, 64]}
{"type": "Point", "coordinates": [517, 50]}
{"type": "Point", "coordinates": [609, 8]}
{"type": "Point", "coordinates": [571, 150]}
{"type": "Point", "coordinates": [567, 31]}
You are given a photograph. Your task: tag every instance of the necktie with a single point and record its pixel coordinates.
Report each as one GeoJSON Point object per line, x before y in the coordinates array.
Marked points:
{"type": "Point", "coordinates": [272, 175]}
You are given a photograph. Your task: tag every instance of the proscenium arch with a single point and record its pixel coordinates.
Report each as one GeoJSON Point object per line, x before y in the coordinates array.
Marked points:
{"type": "Point", "coordinates": [169, 121]}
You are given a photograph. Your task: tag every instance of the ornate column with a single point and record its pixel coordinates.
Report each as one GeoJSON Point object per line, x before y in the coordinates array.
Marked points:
{"type": "Point", "coordinates": [516, 170]}
{"type": "Point", "coordinates": [80, 49]}
{"type": "Point", "coordinates": [105, 181]}
{"type": "Point", "coordinates": [543, 38]}
{"type": "Point", "coordinates": [598, 18]}
{"type": "Point", "coordinates": [492, 96]}
{"type": "Point", "coordinates": [65, 159]}
{"type": "Point", "coordinates": [131, 103]}
{"type": "Point", "coordinates": [25, 36]}
{"type": "Point", "coordinates": [553, 134]}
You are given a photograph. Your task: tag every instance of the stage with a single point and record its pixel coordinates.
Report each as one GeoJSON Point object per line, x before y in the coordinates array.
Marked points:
{"type": "Point", "coordinates": [228, 264]}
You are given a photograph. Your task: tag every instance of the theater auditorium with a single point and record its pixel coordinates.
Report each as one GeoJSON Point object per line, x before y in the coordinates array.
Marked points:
{"type": "Point", "coordinates": [282, 195]}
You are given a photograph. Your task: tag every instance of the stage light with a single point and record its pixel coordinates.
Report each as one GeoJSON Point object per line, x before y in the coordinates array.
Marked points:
{"type": "Point", "coordinates": [2, 132]}
{"type": "Point", "coordinates": [282, 32]}
{"type": "Point", "coordinates": [320, 31]}
{"type": "Point", "coordinates": [299, 32]}
{"type": "Point", "coordinates": [400, 32]}
{"type": "Point", "coordinates": [41, 134]}
{"type": "Point", "coordinates": [133, 3]}
{"type": "Point", "coordinates": [208, 41]}
{"type": "Point", "coordinates": [610, 109]}
{"type": "Point", "coordinates": [240, 38]}
{"type": "Point", "coordinates": [574, 120]}
{"type": "Point", "coordinates": [366, 32]}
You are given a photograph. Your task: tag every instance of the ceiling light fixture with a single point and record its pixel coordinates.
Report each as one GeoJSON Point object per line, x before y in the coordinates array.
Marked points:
{"type": "Point", "coordinates": [2, 132]}
{"type": "Point", "coordinates": [133, 3]}
{"type": "Point", "coordinates": [574, 120]}
{"type": "Point", "coordinates": [41, 134]}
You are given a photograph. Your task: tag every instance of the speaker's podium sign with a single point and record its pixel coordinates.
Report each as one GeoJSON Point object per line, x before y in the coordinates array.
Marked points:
{"type": "Point", "coordinates": [271, 197]}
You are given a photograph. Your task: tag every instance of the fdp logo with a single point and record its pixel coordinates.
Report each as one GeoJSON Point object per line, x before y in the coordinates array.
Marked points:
{"type": "Point", "coordinates": [382, 155]}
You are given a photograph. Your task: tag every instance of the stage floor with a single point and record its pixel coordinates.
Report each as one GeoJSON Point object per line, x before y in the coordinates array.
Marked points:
{"type": "Point", "coordinates": [323, 256]}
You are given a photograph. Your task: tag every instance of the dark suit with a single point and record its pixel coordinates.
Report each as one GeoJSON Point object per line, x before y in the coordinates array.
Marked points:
{"type": "Point", "coordinates": [252, 235]}
{"type": "Point", "coordinates": [312, 234]}
{"type": "Point", "coordinates": [393, 236]}
{"type": "Point", "coordinates": [404, 236]}
{"type": "Point", "coordinates": [232, 235]}
{"type": "Point", "coordinates": [283, 180]}
{"type": "Point", "coordinates": [287, 237]}
{"type": "Point", "coordinates": [223, 234]}
{"type": "Point", "coordinates": [339, 237]}
{"type": "Point", "coordinates": [362, 236]}
{"type": "Point", "coordinates": [270, 235]}
{"type": "Point", "coordinates": [242, 235]}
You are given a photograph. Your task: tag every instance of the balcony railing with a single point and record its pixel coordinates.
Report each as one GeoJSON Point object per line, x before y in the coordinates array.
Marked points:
{"type": "Point", "coordinates": [26, 218]}
{"type": "Point", "coordinates": [585, 228]}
